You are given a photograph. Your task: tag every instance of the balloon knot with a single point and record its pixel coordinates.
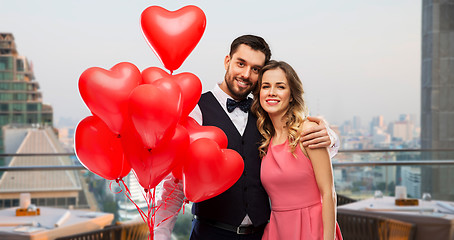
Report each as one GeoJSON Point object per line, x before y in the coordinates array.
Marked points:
{"type": "Point", "coordinates": [145, 190]}
{"type": "Point", "coordinates": [117, 180]}
{"type": "Point", "coordinates": [118, 136]}
{"type": "Point", "coordinates": [176, 181]}
{"type": "Point", "coordinates": [149, 150]}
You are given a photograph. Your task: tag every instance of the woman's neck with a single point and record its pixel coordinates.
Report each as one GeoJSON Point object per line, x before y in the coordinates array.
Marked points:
{"type": "Point", "coordinates": [280, 129]}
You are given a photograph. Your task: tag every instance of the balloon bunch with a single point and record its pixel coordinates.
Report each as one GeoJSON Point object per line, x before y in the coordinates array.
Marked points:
{"type": "Point", "coordinates": [140, 119]}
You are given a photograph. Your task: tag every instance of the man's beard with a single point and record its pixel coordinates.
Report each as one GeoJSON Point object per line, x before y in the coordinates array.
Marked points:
{"type": "Point", "coordinates": [229, 80]}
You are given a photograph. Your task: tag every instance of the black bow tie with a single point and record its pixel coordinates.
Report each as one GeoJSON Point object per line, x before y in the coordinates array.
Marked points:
{"type": "Point", "coordinates": [244, 104]}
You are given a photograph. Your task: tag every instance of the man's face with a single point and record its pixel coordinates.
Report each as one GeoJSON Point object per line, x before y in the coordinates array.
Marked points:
{"type": "Point", "coordinates": [242, 70]}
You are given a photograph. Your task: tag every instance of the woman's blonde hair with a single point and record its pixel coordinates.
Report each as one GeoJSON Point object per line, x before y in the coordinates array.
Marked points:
{"type": "Point", "coordinates": [295, 114]}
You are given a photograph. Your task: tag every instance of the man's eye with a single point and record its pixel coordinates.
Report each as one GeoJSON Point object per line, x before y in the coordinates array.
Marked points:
{"type": "Point", "coordinates": [240, 64]}
{"type": "Point", "coordinates": [255, 70]}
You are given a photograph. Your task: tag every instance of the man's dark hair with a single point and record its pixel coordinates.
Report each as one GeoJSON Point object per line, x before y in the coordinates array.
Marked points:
{"type": "Point", "coordinates": [255, 42]}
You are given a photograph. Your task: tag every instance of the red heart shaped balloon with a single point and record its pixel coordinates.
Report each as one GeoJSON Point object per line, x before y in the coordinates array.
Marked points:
{"type": "Point", "coordinates": [196, 132]}
{"type": "Point", "coordinates": [177, 171]}
{"type": "Point", "coordinates": [155, 110]}
{"type": "Point", "coordinates": [190, 85]}
{"type": "Point", "coordinates": [191, 89]}
{"type": "Point", "coordinates": [151, 167]}
{"type": "Point", "coordinates": [210, 170]}
{"type": "Point", "coordinates": [173, 34]}
{"type": "Point", "coordinates": [152, 74]}
{"type": "Point", "coordinates": [106, 92]}
{"type": "Point", "coordinates": [100, 150]}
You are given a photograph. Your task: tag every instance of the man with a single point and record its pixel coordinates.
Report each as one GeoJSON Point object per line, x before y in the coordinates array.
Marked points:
{"type": "Point", "coordinates": [243, 210]}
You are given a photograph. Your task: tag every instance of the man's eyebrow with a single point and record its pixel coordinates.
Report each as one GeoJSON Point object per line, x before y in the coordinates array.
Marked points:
{"type": "Point", "coordinates": [244, 61]}
{"type": "Point", "coordinates": [241, 60]}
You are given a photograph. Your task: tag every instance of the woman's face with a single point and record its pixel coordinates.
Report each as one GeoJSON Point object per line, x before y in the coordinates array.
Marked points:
{"type": "Point", "coordinates": [275, 94]}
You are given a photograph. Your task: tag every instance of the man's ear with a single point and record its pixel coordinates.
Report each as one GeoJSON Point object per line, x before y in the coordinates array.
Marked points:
{"type": "Point", "coordinates": [226, 62]}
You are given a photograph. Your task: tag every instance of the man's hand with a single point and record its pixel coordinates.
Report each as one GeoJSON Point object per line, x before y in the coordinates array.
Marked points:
{"type": "Point", "coordinates": [317, 136]}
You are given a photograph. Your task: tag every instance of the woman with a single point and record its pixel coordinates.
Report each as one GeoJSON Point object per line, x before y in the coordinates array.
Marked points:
{"type": "Point", "coordinates": [297, 179]}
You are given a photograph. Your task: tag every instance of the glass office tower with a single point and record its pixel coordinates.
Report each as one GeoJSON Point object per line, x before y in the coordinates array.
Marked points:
{"type": "Point", "coordinates": [20, 101]}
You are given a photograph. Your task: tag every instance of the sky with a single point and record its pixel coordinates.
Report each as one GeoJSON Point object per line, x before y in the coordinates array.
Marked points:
{"type": "Point", "coordinates": [354, 57]}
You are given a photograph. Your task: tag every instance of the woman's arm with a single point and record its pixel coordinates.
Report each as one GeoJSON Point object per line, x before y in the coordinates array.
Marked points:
{"type": "Point", "coordinates": [320, 136]}
{"type": "Point", "coordinates": [321, 164]}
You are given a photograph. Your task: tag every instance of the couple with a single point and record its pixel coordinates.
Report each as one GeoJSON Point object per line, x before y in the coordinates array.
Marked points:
{"type": "Point", "coordinates": [280, 148]}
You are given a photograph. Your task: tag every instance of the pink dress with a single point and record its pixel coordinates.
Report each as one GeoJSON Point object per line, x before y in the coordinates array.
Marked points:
{"type": "Point", "coordinates": [296, 206]}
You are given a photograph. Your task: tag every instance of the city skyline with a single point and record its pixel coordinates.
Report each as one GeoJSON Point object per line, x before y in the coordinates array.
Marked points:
{"type": "Point", "coordinates": [354, 58]}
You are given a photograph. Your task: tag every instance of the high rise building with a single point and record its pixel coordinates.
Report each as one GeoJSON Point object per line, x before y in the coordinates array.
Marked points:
{"type": "Point", "coordinates": [404, 117]}
{"type": "Point", "coordinates": [380, 139]}
{"type": "Point", "coordinates": [411, 179]}
{"type": "Point", "coordinates": [20, 101]}
{"type": "Point", "coordinates": [26, 127]}
{"type": "Point", "coordinates": [356, 122]}
{"type": "Point", "coordinates": [377, 121]}
{"type": "Point", "coordinates": [402, 130]}
{"type": "Point", "coordinates": [437, 93]}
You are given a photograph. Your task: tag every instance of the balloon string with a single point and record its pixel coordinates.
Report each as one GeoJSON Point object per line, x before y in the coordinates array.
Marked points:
{"type": "Point", "coordinates": [170, 194]}
{"type": "Point", "coordinates": [167, 198]}
{"type": "Point", "coordinates": [110, 187]}
{"type": "Point", "coordinates": [126, 187]}
{"type": "Point", "coordinates": [148, 198]}
{"type": "Point", "coordinates": [142, 214]}
{"type": "Point", "coordinates": [186, 201]}
{"type": "Point", "coordinates": [165, 204]}
{"type": "Point", "coordinates": [154, 211]}
{"type": "Point", "coordinates": [151, 217]}
{"type": "Point", "coordinates": [176, 213]}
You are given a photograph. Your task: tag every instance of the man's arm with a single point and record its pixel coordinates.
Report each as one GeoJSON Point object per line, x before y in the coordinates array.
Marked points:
{"type": "Point", "coordinates": [321, 136]}
{"type": "Point", "coordinates": [171, 201]}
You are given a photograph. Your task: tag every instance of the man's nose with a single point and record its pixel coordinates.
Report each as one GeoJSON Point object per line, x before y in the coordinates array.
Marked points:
{"type": "Point", "coordinates": [246, 73]}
